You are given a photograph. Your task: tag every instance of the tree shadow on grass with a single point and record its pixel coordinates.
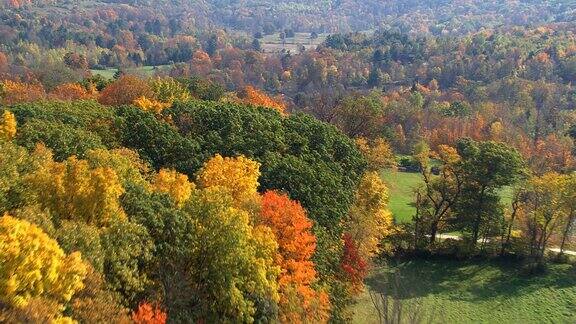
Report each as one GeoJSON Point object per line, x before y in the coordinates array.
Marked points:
{"type": "Point", "coordinates": [418, 278]}
{"type": "Point", "coordinates": [511, 280]}
{"type": "Point", "coordinates": [465, 280]}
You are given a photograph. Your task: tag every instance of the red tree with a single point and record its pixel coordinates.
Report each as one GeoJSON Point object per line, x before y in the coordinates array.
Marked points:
{"type": "Point", "coordinates": [124, 91]}
{"type": "Point", "coordinates": [353, 265]}
{"type": "Point", "coordinates": [3, 62]}
{"type": "Point", "coordinates": [149, 314]}
{"type": "Point", "coordinates": [253, 96]}
{"type": "Point", "coordinates": [296, 245]}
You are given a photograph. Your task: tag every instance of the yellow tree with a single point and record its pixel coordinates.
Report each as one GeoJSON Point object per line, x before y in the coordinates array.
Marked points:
{"type": "Point", "coordinates": [378, 153]}
{"type": "Point", "coordinates": [543, 212]}
{"type": "Point", "coordinates": [568, 198]}
{"type": "Point", "coordinates": [228, 264]}
{"type": "Point", "coordinates": [125, 163]}
{"type": "Point", "coordinates": [33, 265]}
{"type": "Point", "coordinates": [238, 175]}
{"type": "Point", "coordinates": [151, 105]}
{"type": "Point", "coordinates": [370, 220]}
{"type": "Point", "coordinates": [168, 90]}
{"type": "Point", "coordinates": [175, 184]}
{"type": "Point", "coordinates": [165, 91]}
{"type": "Point", "coordinates": [7, 125]}
{"type": "Point", "coordinates": [73, 190]}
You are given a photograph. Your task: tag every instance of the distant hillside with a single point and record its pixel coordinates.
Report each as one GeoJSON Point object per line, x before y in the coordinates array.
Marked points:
{"type": "Point", "coordinates": [329, 15]}
{"type": "Point", "coordinates": [133, 33]}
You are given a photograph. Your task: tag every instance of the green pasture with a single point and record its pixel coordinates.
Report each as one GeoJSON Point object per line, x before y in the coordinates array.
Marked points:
{"type": "Point", "coordinates": [273, 43]}
{"type": "Point", "coordinates": [448, 291]}
{"type": "Point", "coordinates": [402, 185]}
{"type": "Point", "coordinates": [141, 71]}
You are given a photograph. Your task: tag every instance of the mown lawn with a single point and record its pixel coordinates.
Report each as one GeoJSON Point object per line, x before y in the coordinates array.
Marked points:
{"type": "Point", "coordinates": [476, 292]}
{"type": "Point", "coordinates": [273, 43]}
{"type": "Point", "coordinates": [143, 70]}
{"type": "Point", "coordinates": [401, 186]}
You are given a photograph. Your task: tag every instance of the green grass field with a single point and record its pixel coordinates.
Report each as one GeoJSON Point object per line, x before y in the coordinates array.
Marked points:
{"type": "Point", "coordinates": [273, 43]}
{"type": "Point", "coordinates": [477, 292]}
{"type": "Point", "coordinates": [401, 186]}
{"type": "Point", "coordinates": [143, 71]}
{"type": "Point", "coordinates": [448, 291]}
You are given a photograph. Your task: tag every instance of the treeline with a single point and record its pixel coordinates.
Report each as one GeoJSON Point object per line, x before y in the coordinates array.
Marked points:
{"type": "Point", "coordinates": [509, 84]}
{"type": "Point", "coordinates": [493, 203]}
{"type": "Point", "coordinates": [152, 203]}
{"type": "Point", "coordinates": [388, 58]}
{"type": "Point", "coordinates": [139, 202]}
{"type": "Point", "coordinates": [135, 33]}
{"type": "Point", "coordinates": [437, 16]}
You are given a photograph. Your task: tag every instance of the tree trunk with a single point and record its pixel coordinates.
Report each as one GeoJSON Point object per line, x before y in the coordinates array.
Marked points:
{"type": "Point", "coordinates": [509, 233]}
{"type": "Point", "coordinates": [567, 231]}
{"type": "Point", "coordinates": [476, 230]}
{"type": "Point", "coordinates": [542, 242]}
{"type": "Point", "coordinates": [433, 232]}
{"type": "Point", "coordinates": [478, 220]}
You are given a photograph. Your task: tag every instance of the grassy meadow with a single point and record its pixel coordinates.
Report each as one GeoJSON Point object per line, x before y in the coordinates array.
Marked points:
{"type": "Point", "coordinates": [475, 291]}
{"type": "Point", "coordinates": [401, 186]}
{"type": "Point", "coordinates": [448, 291]}
{"type": "Point", "coordinates": [273, 43]}
{"type": "Point", "coordinates": [142, 71]}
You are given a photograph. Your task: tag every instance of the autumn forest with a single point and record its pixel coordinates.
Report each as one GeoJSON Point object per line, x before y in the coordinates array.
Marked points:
{"type": "Point", "coordinates": [340, 161]}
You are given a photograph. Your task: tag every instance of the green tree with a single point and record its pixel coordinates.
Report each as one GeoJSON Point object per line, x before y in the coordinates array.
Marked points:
{"type": "Point", "coordinates": [14, 164]}
{"type": "Point", "coordinates": [486, 167]}
{"type": "Point", "coordinates": [256, 45]}
{"type": "Point", "coordinates": [438, 196]}
{"type": "Point", "coordinates": [360, 116]}
{"type": "Point", "coordinates": [78, 236]}
{"type": "Point", "coordinates": [316, 164]}
{"type": "Point", "coordinates": [204, 89]}
{"type": "Point", "coordinates": [63, 139]}
{"type": "Point", "coordinates": [86, 120]}
{"type": "Point", "coordinates": [128, 252]}
{"type": "Point", "coordinates": [158, 143]}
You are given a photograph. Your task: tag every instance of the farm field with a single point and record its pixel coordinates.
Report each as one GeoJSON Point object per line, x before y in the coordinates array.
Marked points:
{"type": "Point", "coordinates": [477, 292]}
{"type": "Point", "coordinates": [273, 43]}
{"type": "Point", "coordinates": [143, 70]}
